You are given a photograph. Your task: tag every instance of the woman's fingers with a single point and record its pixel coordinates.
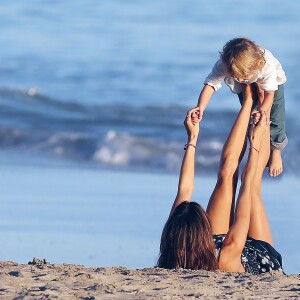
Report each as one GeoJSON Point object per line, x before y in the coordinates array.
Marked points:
{"type": "Point", "coordinates": [193, 114]}
{"type": "Point", "coordinates": [191, 121]}
{"type": "Point", "coordinates": [194, 110]}
{"type": "Point", "coordinates": [188, 119]}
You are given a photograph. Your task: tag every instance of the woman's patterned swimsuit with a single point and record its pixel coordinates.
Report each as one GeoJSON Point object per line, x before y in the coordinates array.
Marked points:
{"type": "Point", "coordinates": [257, 257]}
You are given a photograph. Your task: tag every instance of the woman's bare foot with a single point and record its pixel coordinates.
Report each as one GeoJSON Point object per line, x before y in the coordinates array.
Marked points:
{"type": "Point", "coordinates": [247, 93]}
{"type": "Point", "coordinates": [258, 92]}
{"type": "Point", "coordinates": [275, 163]}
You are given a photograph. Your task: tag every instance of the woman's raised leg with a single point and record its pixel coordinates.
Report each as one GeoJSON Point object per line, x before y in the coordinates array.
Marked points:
{"type": "Point", "coordinates": [259, 224]}
{"type": "Point", "coordinates": [221, 204]}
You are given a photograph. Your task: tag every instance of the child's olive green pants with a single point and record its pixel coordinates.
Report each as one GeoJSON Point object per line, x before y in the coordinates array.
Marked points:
{"type": "Point", "coordinates": [277, 128]}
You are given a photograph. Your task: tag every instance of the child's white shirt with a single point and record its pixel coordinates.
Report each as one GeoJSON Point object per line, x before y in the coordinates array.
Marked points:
{"type": "Point", "coordinates": [269, 77]}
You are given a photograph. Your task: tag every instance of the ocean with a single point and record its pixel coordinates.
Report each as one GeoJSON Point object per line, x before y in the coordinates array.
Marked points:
{"type": "Point", "coordinates": [105, 85]}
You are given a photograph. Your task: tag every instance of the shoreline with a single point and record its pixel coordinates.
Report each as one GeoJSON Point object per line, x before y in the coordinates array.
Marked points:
{"type": "Point", "coordinates": [42, 280]}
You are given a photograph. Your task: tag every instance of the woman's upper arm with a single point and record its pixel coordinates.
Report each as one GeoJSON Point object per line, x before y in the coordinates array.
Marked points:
{"type": "Point", "coordinates": [182, 196]}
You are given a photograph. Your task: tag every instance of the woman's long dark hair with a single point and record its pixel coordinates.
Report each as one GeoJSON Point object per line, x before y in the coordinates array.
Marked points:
{"type": "Point", "coordinates": [186, 240]}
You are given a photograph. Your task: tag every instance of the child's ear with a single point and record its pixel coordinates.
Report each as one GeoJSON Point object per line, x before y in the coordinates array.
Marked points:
{"type": "Point", "coordinates": [261, 63]}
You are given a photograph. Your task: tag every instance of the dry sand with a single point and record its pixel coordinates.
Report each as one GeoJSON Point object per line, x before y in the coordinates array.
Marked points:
{"type": "Point", "coordinates": [42, 280]}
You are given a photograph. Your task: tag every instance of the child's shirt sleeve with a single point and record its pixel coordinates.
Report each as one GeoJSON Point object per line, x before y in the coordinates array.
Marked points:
{"type": "Point", "coordinates": [216, 76]}
{"type": "Point", "coordinates": [272, 73]}
{"type": "Point", "coordinates": [268, 81]}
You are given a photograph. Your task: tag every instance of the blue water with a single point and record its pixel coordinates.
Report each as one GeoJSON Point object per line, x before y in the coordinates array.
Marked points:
{"type": "Point", "coordinates": [107, 83]}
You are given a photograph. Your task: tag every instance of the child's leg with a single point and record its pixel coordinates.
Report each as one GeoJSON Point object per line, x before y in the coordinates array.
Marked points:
{"type": "Point", "coordinates": [278, 137]}
{"type": "Point", "coordinates": [259, 227]}
{"type": "Point", "coordinates": [221, 203]}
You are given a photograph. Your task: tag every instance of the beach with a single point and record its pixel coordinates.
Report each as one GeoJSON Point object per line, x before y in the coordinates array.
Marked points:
{"type": "Point", "coordinates": [108, 218]}
{"type": "Point", "coordinates": [42, 280]}
{"type": "Point", "coordinates": [93, 95]}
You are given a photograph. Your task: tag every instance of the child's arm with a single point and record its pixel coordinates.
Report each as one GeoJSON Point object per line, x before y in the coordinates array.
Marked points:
{"type": "Point", "coordinates": [267, 101]}
{"type": "Point", "coordinates": [211, 84]}
{"type": "Point", "coordinates": [204, 98]}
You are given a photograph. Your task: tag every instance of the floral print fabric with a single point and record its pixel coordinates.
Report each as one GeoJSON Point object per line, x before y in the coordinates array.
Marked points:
{"type": "Point", "coordinates": [257, 257]}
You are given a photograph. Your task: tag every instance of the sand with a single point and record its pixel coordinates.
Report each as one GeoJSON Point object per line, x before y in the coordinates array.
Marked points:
{"type": "Point", "coordinates": [42, 280]}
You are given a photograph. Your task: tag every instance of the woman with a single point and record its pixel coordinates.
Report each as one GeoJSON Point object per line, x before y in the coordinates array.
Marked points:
{"type": "Point", "coordinates": [225, 238]}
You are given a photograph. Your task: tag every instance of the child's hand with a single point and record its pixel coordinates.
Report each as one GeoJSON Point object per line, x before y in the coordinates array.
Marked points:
{"type": "Point", "coordinates": [197, 115]}
{"type": "Point", "coordinates": [258, 130]}
{"type": "Point", "coordinates": [255, 115]}
{"type": "Point", "coordinates": [201, 112]}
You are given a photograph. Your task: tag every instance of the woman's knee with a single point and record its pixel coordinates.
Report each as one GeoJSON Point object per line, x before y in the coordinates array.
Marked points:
{"type": "Point", "coordinates": [227, 168]}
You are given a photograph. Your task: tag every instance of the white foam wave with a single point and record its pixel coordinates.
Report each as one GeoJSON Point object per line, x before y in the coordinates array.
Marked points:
{"type": "Point", "coordinates": [122, 149]}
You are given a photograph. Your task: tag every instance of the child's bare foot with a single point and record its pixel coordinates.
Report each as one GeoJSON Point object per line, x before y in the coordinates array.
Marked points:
{"type": "Point", "coordinates": [275, 163]}
{"type": "Point", "coordinates": [258, 93]}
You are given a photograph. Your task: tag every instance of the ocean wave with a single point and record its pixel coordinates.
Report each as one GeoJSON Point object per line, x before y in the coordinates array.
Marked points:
{"type": "Point", "coordinates": [145, 137]}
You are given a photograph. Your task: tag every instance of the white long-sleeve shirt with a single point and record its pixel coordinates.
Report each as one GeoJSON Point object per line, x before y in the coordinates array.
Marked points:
{"type": "Point", "coordinates": [269, 77]}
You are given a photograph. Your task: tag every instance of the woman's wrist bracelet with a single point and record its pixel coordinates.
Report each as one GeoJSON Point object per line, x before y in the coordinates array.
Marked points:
{"type": "Point", "coordinates": [254, 149]}
{"type": "Point", "coordinates": [189, 144]}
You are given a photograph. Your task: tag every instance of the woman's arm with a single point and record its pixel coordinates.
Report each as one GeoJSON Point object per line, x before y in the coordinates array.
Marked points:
{"type": "Point", "coordinates": [234, 242]}
{"type": "Point", "coordinates": [187, 173]}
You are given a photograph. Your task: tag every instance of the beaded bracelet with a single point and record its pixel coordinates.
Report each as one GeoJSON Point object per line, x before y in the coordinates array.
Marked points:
{"type": "Point", "coordinates": [187, 145]}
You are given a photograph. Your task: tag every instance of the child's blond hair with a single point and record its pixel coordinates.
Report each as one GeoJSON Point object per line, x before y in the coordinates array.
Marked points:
{"type": "Point", "coordinates": [242, 57]}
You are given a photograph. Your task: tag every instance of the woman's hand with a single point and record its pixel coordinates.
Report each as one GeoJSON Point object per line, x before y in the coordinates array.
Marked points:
{"type": "Point", "coordinates": [192, 126]}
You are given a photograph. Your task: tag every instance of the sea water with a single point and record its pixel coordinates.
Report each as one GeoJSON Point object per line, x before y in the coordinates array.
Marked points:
{"type": "Point", "coordinates": [106, 84]}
